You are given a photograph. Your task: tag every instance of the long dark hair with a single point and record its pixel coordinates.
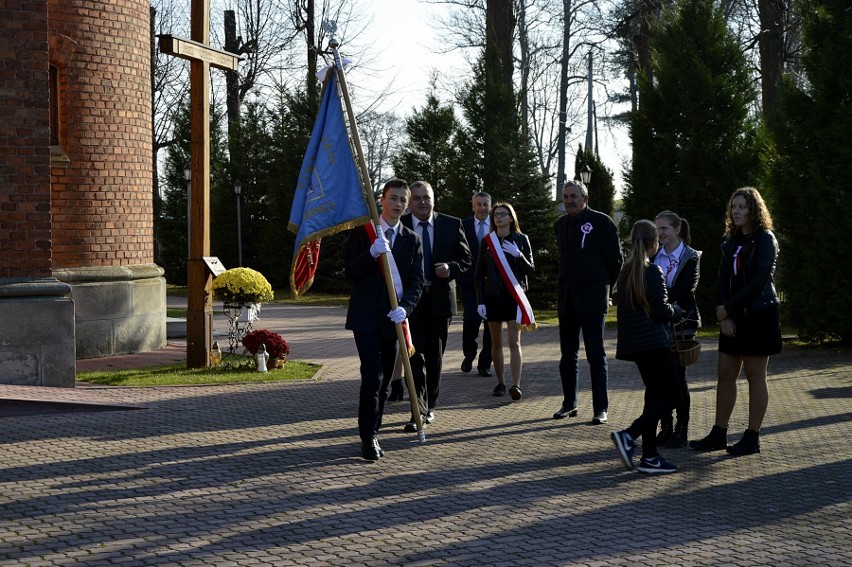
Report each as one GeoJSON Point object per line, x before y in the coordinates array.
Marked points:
{"type": "Point", "coordinates": [758, 213]}
{"type": "Point", "coordinates": [643, 238]}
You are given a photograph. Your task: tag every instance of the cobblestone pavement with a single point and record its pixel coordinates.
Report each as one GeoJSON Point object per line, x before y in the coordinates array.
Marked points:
{"type": "Point", "coordinates": [269, 474]}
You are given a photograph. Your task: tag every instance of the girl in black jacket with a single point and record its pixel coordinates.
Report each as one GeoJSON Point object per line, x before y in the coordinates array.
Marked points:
{"type": "Point", "coordinates": [644, 337]}
{"type": "Point", "coordinates": [749, 318]}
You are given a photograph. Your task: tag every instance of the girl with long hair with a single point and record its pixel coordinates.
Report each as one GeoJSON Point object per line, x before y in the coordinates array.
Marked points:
{"type": "Point", "coordinates": [644, 337]}
{"type": "Point", "coordinates": [749, 317]}
{"type": "Point", "coordinates": [504, 262]}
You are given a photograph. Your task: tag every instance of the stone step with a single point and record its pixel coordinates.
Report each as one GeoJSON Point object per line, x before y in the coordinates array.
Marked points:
{"type": "Point", "coordinates": [175, 327]}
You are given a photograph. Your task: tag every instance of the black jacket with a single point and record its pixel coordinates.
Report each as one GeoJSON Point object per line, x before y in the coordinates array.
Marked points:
{"type": "Point", "coordinates": [488, 281]}
{"type": "Point", "coordinates": [587, 269]}
{"type": "Point", "coordinates": [758, 258]}
{"type": "Point", "coordinates": [639, 331]}
{"type": "Point", "coordinates": [683, 288]}
{"type": "Point", "coordinates": [368, 303]}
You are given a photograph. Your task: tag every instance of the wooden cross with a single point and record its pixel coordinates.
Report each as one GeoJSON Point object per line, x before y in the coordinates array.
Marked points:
{"type": "Point", "coordinates": [199, 315]}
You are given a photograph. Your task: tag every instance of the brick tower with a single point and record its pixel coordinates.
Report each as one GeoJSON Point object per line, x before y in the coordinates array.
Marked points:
{"type": "Point", "coordinates": [76, 257]}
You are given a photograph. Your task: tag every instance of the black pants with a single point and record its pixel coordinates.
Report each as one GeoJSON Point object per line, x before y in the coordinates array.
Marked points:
{"type": "Point", "coordinates": [378, 355]}
{"type": "Point", "coordinates": [470, 332]}
{"type": "Point", "coordinates": [429, 336]}
{"type": "Point", "coordinates": [662, 394]}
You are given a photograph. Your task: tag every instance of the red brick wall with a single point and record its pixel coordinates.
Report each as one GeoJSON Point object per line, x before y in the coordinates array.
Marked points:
{"type": "Point", "coordinates": [102, 199]}
{"type": "Point", "coordinates": [25, 247]}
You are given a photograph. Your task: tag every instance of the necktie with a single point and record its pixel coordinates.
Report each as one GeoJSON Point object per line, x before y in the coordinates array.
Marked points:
{"type": "Point", "coordinates": [389, 236]}
{"type": "Point", "coordinates": [672, 265]}
{"type": "Point", "coordinates": [427, 251]}
{"type": "Point", "coordinates": [480, 230]}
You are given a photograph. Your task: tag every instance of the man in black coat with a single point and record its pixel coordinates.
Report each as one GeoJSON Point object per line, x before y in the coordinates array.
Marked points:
{"type": "Point", "coordinates": [370, 316]}
{"type": "Point", "coordinates": [446, 256]}
{"type": "Point", "coordinates": [475, 228]}
{"type": "Point", "coordinates": [589, 263]}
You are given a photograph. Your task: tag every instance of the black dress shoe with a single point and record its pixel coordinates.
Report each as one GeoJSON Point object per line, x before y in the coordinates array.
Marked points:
{"type": "Point", "coordinates": [486, 372]}
{"type": "Point", "coordinates": [467, 364]}
{"type": "Point", "coordinates": [371, 450]}
{"type": "Point", "coordinates": [396, 391]}
{"type": "Point", "coordinates": [565, 411]}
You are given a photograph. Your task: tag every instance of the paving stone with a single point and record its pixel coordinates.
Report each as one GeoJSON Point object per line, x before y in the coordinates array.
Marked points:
{"type": "Point", "coordinates": [269, 474]}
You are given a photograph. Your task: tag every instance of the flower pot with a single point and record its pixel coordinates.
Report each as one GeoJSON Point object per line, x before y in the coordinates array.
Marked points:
{"type": "Point", "coordinates": [248, 313]}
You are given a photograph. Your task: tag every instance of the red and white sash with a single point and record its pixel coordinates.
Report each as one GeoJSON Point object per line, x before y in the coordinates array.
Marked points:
{"type": "Point", "coordinates": [397, 284]}
{"type": "Point", "coordinates": [525, 319]}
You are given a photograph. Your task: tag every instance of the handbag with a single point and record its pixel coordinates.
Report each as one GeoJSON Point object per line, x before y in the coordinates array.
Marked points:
{"type": "Point", "coordinates": [685, 351]}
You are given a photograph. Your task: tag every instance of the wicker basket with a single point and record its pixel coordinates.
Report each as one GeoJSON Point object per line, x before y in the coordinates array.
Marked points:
{"type": "Point", "coordinates": [685, 351]}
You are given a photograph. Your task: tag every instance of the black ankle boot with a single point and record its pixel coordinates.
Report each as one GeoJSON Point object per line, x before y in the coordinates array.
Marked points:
{"type": "Point", "coordinates": [678, 438]}
{"type": "Point", "coordinates": [748, 445]}
{"type": "Point", "coordinates": [665, 431]}
{"type": "Point", "coordinates": [396, 391]}
{"type": "Point", "coordinates": [715, 441]}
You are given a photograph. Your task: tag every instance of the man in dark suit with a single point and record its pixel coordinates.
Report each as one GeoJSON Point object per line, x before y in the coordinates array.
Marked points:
{"type": "Point", "coordinates": [475, 229]}
{"type": "Point", "coordinates": [446, 256]}
{"type": "Point", "coordinates": [370, 316]}
{"type": "Point", "coordinates": [589, 262]}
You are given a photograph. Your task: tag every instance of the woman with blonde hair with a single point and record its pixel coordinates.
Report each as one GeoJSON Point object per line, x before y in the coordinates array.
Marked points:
{"type": "Point", "coordinates": [749, 317]}
{"type": "Point", "coordinates": [504, 262]}
{"type": "Point", "coordinates": [644, 337]}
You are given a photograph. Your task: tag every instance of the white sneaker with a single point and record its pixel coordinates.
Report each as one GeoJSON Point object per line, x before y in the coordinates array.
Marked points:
{"type": "Point", "coordinates": [599, 418]}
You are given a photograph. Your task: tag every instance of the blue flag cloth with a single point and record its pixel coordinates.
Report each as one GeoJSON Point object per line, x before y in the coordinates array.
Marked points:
{"type": "Point", "coordinates": [328, 196]}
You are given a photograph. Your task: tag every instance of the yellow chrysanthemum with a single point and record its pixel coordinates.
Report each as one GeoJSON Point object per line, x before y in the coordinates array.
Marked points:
{"type": "Point", "coordinates": [242, 285]}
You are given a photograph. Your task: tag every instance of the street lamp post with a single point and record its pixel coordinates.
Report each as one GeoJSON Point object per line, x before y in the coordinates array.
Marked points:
{"type": "Point", "coordinates": [238, 188]}
{"type": "Point", "coordinates": [187, 174]}
{"type": "Point", "coordinates": [585, 174]}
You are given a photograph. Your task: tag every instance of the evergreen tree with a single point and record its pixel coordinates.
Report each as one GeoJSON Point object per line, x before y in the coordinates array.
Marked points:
{"type": "Point", "coordinates": [172, 227]}
{"type": "Point", "coordinates": [601, 188]}
{"type": "Point", "coordinates": [515, 179]}
{"type": "Point", "coordinates": [694, 138]}
{"type": "Point", "coordinates": [810, 177]}
{"type": "Point", "coordinates": [430, 150]}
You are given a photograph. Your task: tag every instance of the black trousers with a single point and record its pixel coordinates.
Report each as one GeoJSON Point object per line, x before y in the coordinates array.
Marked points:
{"type": "Point", "coordinates": [378, 355]}
{"type": "Point", "coordinates": [470, 332]}
{"type": "Point", "coordinates": [662, 394]}
{"type": "Point", "coordinates": [429, 336]}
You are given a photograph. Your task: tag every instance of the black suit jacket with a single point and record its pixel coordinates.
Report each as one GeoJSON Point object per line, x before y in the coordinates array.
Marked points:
{"type": "Point", "coordinates": [368, 302]}
{"type": "Point", "coordinates": [587, 270]}
{"type": "Point", "coordinates": [466, 279]}
{"type": "Point", "coordinates": [449, 246]}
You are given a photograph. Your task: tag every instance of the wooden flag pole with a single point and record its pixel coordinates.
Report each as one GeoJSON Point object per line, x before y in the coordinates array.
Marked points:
{"type": "Point", "coordinates": [367, 188]}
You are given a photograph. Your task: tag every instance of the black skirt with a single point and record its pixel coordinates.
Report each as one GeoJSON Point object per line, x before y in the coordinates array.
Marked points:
{"type": "Point", "coordinates": [502, 308]}
{"type": "Point", "coordinates": [758, 334]}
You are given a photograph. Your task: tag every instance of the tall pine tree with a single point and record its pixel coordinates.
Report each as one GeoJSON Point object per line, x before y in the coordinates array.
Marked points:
{"type": "Point", "coordinates": [695, 140]}
{"type": "Point", "coordinates": [811, 176]}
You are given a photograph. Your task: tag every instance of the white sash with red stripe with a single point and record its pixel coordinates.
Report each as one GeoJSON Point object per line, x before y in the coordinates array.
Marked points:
{"type": "Point", "coordinates": [525, 319]}
{"type": "Point", "coordinates": [397, 284]}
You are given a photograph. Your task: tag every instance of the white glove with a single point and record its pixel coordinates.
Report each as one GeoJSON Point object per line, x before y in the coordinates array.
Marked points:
{"type": "Point", "coordinates": [397, 315]}
{"type": "Point", "coordinates": [511, 248]}
{"type": "Point", "coordinates": [481, 310]}
{"type": "Point", "coordinates": [380, 246]}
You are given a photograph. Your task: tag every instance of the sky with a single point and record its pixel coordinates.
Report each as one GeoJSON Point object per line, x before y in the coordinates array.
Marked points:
{"type": "Point", "coordinates": [407, 54]}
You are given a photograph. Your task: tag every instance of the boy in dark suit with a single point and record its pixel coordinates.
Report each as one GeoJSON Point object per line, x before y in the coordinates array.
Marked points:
{"type": "Point", "coordinates": [370, 316]}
